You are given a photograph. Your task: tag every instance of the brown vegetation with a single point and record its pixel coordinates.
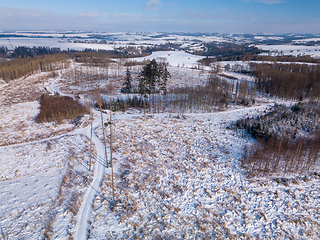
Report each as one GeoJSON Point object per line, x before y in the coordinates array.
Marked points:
{"type": "Point", "coordinates": [19, 67]}
{"type": "Point", "coordinates": [293, 81]}
{"type": "Point", "coordinates": [57, 108]}
{"type": "Point", "coordinates": [101, 58]}
{"type": "Point", "coordinates": [281, 157]}
{"type": "Point", "coordinates": [288, 140]}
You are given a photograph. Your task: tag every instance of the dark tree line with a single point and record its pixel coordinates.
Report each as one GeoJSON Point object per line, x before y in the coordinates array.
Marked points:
{"type": "Point", "coordinates": [292, 81]}
{"type": "Point", "coordinates": [23, 52]}
{"type": "Point", "coordinates": [162, 47]}
{"type": "Point", "coordinates": [227, 50]}
{"type": "Point", "coordinates": [305, 59]}
{"type": "Point", "coordinates": [288, 140]}
{"type": "Point", "coordinates": [20, 67]}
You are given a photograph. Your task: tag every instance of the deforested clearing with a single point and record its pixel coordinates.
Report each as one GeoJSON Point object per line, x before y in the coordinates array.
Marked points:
{"type": "Point", "coordinates": [178, 169]}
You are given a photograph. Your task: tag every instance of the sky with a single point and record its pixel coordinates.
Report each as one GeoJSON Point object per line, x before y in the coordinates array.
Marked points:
{"type": "Point", "coordinates": [211, 16]}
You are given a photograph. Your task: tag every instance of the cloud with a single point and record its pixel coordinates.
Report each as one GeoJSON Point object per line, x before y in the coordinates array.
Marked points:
{"type": "Point", "coordinates": [29, 19]}
{"type": "Point", "coordinates": [125, 16]}
{"type": "Point", "coordinates": [188, 21]}
{"type": "Point", "coordinates": [210, 17]}
{"type": "Point", "coordinates": [91, 14]}
{"type": "Point", "coordinates": [152, 5]}
{"type": "Point", "coordinates": [270, 2]}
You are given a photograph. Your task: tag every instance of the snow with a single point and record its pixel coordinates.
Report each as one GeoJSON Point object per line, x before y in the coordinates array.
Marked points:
{"type": "Point", "coordinates": [177, 172]}
{"type": "Point", "coordinates": [18, 124]}
{"type": "Point", "coordinates": [307, 40]}
{"type": "Point", "coordinates": [174, 58]}
{"type": "Point", "coordinates": [99, 168]}
{"type": "Point", "coordinates": [11, 43]}
{"type": "Point", "coordinates": [31, 184]}
{"type": "Point", "coordinates": [296, 50]}
{"type": "Point", "coordinates": [176, 176]}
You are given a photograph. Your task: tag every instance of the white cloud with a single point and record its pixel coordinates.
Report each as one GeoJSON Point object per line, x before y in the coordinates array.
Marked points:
{"type": "Point", "coordinates": [125, 16]}
{"type": "Point", "coordinates": [28, 19]}
{"type": "Point", "coordinates": [91, 14]}
{"type": "Point", "coordinates": [265, 1]}
{"type": "Point", "coordinates": [152, 5]}
{"type": "Point", "coordinates": [271, 1]}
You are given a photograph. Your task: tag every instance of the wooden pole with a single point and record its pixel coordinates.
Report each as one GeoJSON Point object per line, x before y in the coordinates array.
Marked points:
{"type": "Point", "coordinates": [90, 147]}
{"type": "Point", "coordinates": [111, 161]}
{"type": "Point", "coordinates": [104, 138]}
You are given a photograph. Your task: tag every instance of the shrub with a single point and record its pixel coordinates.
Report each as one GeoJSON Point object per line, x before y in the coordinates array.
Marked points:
{"type": "Point", "coordinates": [57, 108]}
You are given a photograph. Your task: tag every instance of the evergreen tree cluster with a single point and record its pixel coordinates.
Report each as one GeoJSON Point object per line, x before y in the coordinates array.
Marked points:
{"type": "Point", "coordinates": [153, 78]}
{"type": "Point", "coordinates": [288, 140]}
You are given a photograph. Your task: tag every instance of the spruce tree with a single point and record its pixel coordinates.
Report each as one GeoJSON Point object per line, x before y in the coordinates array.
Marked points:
{"type": "Point", "coordinates": [127, 87]}
{"type": "Point", "coordinates": [165, 75]}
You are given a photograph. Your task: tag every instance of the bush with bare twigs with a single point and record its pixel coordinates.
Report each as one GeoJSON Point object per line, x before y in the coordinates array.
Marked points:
{"type": "Point", "coordinates": [57, 108]}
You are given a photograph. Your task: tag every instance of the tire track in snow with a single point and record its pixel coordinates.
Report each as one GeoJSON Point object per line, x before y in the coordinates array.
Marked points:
{"type": "Point", "coordinates": [85, 211]}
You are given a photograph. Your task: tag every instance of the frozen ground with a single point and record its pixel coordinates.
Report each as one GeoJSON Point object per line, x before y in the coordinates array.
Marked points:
{"type": "Point", "coordinates": [180, 178]}
{"type": "Point", "coordinates": [176, 176]}
{"type": "Point", "coordinates": [174, 58]}
{"type": "Point", "coordinates": [108, 41]}
{"type": "Point", "coordinates": [295, 50]}
{"type": "Point", "coordinates": [41, 187]}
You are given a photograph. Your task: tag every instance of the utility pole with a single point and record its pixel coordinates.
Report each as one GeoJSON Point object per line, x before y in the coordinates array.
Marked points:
{"type": "Point", "coordinates": [90, 147]}
{"type": "Point", "coordinates": [111, 161]}
{"type": "Point", "coordinates": [104, 137]}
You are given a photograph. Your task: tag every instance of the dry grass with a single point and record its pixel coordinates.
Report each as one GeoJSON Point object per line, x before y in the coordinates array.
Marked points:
{"type": "Point", "coordinates": [23, 90]}
{"type": "Point", "coordinates": [162, 175]}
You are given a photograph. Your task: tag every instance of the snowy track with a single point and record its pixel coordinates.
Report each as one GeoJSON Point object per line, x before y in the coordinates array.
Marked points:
{"type": "Point", "coordinates": [84, 214]}
{"type": "Point", "coordinates": [85, 211]}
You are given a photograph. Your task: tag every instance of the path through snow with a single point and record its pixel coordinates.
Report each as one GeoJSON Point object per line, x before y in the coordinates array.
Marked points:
{"type": "Point", "coordinates": [84, 214]}
{"type": "Point", "coordinates": [85, 211]}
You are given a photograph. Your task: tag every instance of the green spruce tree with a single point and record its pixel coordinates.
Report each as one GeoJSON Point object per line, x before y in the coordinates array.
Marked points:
{"type": "Point", "coordinates": [127, 85]}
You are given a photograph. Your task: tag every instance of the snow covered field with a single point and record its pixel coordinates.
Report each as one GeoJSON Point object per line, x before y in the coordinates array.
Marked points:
{"type": "Point", "coordinates": [295, 50]}
{"type": "Point", "coordinates": [41, 187]}
{"type": "Point", "coordinates": [180, 178]}
{"type": "Point", "coordinates": [176, 176]}
{"type": "Point", "coordinates": [11, 43]}
{"type": "Point", "coordinates": [108, 41]}
{"type": "Point", "coordinates": [174, 58]}
{"type": "Point", "coordinates": [82, 40]}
